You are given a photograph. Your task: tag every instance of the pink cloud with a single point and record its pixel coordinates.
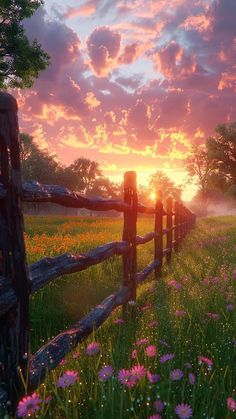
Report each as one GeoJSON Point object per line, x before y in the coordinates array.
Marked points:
{"type": "Point", "coordinates": [129, 54]}
{"type": "Point", "coordinates": [103, 48]}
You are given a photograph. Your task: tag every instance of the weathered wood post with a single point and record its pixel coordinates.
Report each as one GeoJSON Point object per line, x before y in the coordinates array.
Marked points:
{"type": "Point", "coordinates": [176, 225]}
{"type": "Point", "coordinates": [14, 325]}
{"type": "Point", "coordinates": [181, 222]}
{"type": "Point", "coordinates": [129, 235]}
{"type": "Point", "coordinates": [158, 241]}
{"type": "Point", "coordinates": [169, 225]}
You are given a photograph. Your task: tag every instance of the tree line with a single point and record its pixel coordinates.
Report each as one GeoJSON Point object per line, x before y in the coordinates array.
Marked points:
{"type": "Point", "coordinates": [214, 166]}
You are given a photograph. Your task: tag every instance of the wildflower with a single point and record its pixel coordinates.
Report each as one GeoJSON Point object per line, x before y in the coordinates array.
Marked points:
{"type": "Point", "coordinates": [132, 302]}
{"type": "Point", "coordinates": [155, 417]}
{"type": "Point", "coordinates": [231, 404]}
{"type": "Point", "coordinates": [76, 355]}
{"type": "Point", "coordinates": [180, 313]}
{"type": "Point", "coordinates": [134, 354]}
{"type": "Point", "coordinates": [28, 405]}
{"type": "Point", "coordinates": [126, 378]}
{"type": "Point", "coordinates": [234, 342]}
{"type": "Point", "coordinates": [138, 371]}
{"type": "Point", "coordinates": [214, 316]}
{"type": "Point", "coordinates": [159, 405]}
{"type": "Point", "coordinates": [105, 373]}
{"type": "Point", "coordinates": [153, 378]}
{"type": "Point", "coordinates": [188, 365]}
{"type": "Point", "coordinates": [146, 307]}
{"type": "Point", "coordinates": [230, 307]}
{"type": "Point", "coordinates": [173, 283]}
{"type": "Point", "coordinates": [63, 362]}
{"type": "Point", "coordinates": [176, 374]}
{"type": "Point", "coordinates": [163, 342]}
{"type": "Point", "coordinates": [151, 351]}
{"type": "Point", "coordinates": [184, 411]}
{"type": "Point", "coordinates": [118, 321]}
{"type": "Point", "coordinates": [166, 357]}
{"type": "Point", "coordinates": [205, 360]}
{"type": "Point", "coordinates": [48, 399]}
{"type": "Point", "coordinates": [141, 341]}
{"type": "Point", "coordinates": [191, 378]}
{"type": "Point", "coordinates": [67, 379]}
{"type": "Point", "coordinates": [93, 348]}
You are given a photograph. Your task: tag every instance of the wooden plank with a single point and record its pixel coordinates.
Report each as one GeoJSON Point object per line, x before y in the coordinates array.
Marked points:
{"type": "Point", "coordinates": [145, 239]}
{"type": "Point", "coordinates": [47, 269]}
{"type": "Point", "coordinates": [51, 354]}
{"type": "Point", "coordinates": [141, 276]}
{"type": "Point", "coordinates": [158, 228]}
{"type": "Point", "coordinates": [169, 228]}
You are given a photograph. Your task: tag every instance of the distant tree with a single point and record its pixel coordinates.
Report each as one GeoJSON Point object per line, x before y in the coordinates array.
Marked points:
{"type": "Point", "coordinates": [87, 171]}
{"type": "Point", "coordinates": [221, 151]}
{"type": "Point", "coordinates": [20, 61]}
{"type": "Point", "coordinates": [199, 167]}
{"type": "Point", "coordinates": [159, 181]}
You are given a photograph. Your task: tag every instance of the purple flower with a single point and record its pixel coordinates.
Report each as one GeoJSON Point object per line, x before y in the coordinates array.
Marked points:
{"type": "Point", "coordinates": [153, 378]}
{"type": "Point", "coordinates": [166, 357]}
{"type": "Point", "coordinates": [118, 321]}
{"type": "Point", "coordinates": [184, 411]}
{"type": "Point", "coordinates": [126, 378]}
{"type": "Point", "coordinates": [176, 375]}
{"type": "Point", "coordinates": [155, 417]}
{"type": "Point", "coordinates": [105, 373]}
{"type": "Point", "coordinates": [151, 351]}
{"type": "Point", "coordinates": [93, 348]}
{"type": "Point", "coordinates": [230, 307]}
{"type": "Point", "coordinates": [67, 379]}
{"type": "Point", "coordinates": [231, 404]}
{"type": "Point", "coordinates": [138, 371]}
{"type": "Point", "coordinates": [191, 378]}
{"type": "Point", "coordinates": [28, 405]}
{"type": "Point", "coordinates": [159, 405]}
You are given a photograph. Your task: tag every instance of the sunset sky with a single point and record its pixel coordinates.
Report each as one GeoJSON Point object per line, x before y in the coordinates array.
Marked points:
{"type": "Point", "coordinates": [132, 83]}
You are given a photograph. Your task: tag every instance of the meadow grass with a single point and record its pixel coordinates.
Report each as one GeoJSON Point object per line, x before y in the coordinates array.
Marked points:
{"type": "Point", "coordinates": [188, 312]}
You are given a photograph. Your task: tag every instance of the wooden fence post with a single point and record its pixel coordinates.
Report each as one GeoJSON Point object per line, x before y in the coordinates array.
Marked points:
{"type": "Point", "coordinates": [176, 225]}
{"type": "Point", "coordinates": [169, 225]}
{"type": "Point", "coordinates": [14, 326]}
{"type": "Point", "coordinates": [129, 235]}
{"type": "Point", "coordinates": [181, 222]}
{"type": "Point", "coordinates": [158, 241]}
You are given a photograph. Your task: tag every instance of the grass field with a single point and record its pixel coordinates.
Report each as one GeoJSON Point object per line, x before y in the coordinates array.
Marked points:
{"type": "Point", "coordinates": [188, 313]}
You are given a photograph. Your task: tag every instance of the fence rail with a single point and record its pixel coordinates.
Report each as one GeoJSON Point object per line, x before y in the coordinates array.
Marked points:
{"type": "Point", "coordinates": [18, 281]}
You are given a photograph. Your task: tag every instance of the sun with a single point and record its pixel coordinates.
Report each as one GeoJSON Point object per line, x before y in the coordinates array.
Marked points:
{"type": "Point", "coordinates": [152, 196]}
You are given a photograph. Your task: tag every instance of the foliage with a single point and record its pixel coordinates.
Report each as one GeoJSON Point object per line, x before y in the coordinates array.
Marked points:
{"type": "Point", "coordinates": [195, 319]}
{"type": "Point", "coordinates": [158, 181]}
{"type": "Point", "coordinates": [20, 61]}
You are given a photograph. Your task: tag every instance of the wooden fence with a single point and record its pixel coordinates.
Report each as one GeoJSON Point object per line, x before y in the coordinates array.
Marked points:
{"type": "Point", "coordinates": [18, 280]}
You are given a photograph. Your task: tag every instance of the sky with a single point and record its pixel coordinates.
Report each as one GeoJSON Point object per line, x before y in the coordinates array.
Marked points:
{"type": "Point", "coordinates": [132, 83]}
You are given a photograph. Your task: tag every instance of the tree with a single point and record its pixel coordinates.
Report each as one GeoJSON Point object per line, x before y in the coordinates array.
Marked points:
{"type": "Point", "coordinates": [87, 172]}
{"type": "Point", "coordinates": [199, 166]}
{"type": "Point", "coordinates": [221, 151]}
{"type": "Point", "coordinates": [20, 61]}
{"type": "Point", "coordinates": [159, 181]}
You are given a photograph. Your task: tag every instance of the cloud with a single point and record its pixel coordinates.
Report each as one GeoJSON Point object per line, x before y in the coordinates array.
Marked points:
{"type": "Point", "coordinates": [130, 53]}
{"type": "Point", "coordinates": [103, 48]}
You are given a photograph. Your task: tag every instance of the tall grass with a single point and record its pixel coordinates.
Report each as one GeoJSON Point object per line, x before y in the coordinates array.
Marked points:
{"type": "Point", "coordinates": [189, 312]}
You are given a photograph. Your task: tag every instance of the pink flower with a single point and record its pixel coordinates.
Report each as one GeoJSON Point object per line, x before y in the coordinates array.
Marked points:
{"type": "Point", "coordinates": [214, 316]}
{"type": "Point", "coordinates": [159, 405]}
{"type": "Point", "coordinates": [134, 354]}
{"type": "Point", "coordinates": [176, 374]}
{"type": "Point", "coordinates": [166, 357]}
{"type": "Point", "coordinates": [191, 378]}
{"type": "Point", "coordinates": [175, 284]}
{"type": "Point", "coordinates": [138, 371]}
{"type": "Point", "coordinates": [153, 378]}
{"type": "Point", "coordinates": [184, 411]}
{"type": "Point", "coordinates": [155, 417]}
{"type": "Point", "coordinates": [118, 321]}
{"type": "Point", "coordinates": [63, 362]}
{"type": "Point", "coordinates": [205, 360]}
{"type": "Point", "coordinates": [142, 341]}
{"type": "Point", "coordinates": [146, 307]}
{"type": "Point", "coordinates": [105, 373]}
{"type": "Point", "coordinates": [93, 348]}
{"type": "Point", "coordinates": [28, 405]}
{"type": "Point", "coordinates": [126, 378]}
{"type": "Point", "coordinates": [151, 351]}
{"type": "Point", "coordinates": [67, 379]}
{"type": "Point", "coordinates": [231, 404]}
{"type": "Point", "coordinates": [180, 313]}
{"type": "Point", "coordinates": [76, 355]}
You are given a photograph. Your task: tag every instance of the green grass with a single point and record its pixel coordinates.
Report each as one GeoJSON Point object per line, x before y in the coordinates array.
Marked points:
{"type": "Point", "coordinates": [204, 267]}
